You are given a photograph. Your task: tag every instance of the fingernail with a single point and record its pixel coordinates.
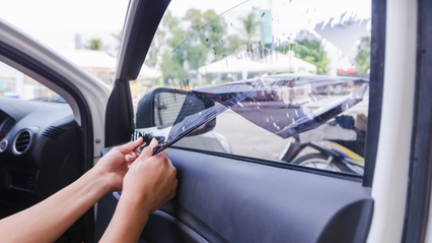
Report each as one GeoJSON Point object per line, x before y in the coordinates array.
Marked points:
{"type": "Point", "coordinates": [153, 142]}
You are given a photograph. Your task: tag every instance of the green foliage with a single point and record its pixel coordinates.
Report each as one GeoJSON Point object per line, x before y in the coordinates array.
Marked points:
{"type": "Point", "coordinates": [177, 37]}
{"type": "Point", "coordinates": [234, 44]}
{"type": "Point", "coordinates": [202, 41]}
{"type": "Point", "coordinates": [118, 38]}
{"type": "Point", "coordinates": [362, 60]}
{"type": "Point", "coordinates": [201, 37]}
{"type": "Point", "coordinates": [196, 55]}
{"type": "Point", "coordinates": [153, 54]}
{"type": "Point", "coordinates": [94, 44]}
{"type": "Point", "coordinates": [173, 66]}
{"type": "Point", "coordinates": [310, 51]}
{"type": "Point", "coordinates": [198, 19]}
{"type": "Point", "coordinates": [250, 25]}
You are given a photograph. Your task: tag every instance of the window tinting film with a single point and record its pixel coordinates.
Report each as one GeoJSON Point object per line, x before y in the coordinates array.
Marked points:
{"type": "Point", "coordinates": [278, 103]}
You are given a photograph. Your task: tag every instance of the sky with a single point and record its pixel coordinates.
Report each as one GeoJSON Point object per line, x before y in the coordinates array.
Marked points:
{"type": "Point", "coordinates": [56, 22]}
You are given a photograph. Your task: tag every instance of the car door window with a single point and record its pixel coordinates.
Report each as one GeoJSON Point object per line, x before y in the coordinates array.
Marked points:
{"type": "Point", "coordinates": [302, 59]}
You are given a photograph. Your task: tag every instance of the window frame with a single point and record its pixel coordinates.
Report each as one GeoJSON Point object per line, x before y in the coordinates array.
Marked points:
{"type": "Point", "coordinates": [376, 86]}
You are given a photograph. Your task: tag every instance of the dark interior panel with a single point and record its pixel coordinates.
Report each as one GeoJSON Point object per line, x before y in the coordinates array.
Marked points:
{"type": "Point", "coordinates": [226, 200]}
{"type": "Point", "coordinates": [160, 222]}
{"type": "Point", "coordinates": [52, 157]}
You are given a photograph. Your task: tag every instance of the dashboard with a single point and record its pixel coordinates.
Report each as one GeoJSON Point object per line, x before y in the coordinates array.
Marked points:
{"type": "Point", "coordinates": [6, 124]}
{"type": "Point", "coordinates": [40, 151]}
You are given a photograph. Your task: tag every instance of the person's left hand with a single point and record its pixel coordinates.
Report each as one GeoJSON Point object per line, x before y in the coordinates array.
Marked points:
{"type": "Point", "coordinates": [114, 165]}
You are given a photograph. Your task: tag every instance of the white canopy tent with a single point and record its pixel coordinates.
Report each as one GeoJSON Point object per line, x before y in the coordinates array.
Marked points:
{"type": "Point", "coordinates": [99, 61]}
{"type": "Point", "coordinates": [276, 63]}
{"type": "Point", "coordinates": [90, 58]}
{"type": "Point", "coordinates": [281, 63]}
{"type": "Point", "coordinates": [149, 73]}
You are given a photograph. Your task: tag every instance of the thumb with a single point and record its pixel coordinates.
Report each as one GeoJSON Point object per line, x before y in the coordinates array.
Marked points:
{"type": "Point", "coordinates": [131, 146]}
{"type": "Point", "coordinates": [147, 152]}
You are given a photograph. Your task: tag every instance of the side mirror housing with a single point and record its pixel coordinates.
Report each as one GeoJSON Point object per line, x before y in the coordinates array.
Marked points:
{"type": "Point", "coordinates": [163, 107]}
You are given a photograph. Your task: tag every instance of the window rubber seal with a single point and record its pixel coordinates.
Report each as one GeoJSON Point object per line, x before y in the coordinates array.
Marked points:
{"type": "Point", "coordinates": [376, 87]}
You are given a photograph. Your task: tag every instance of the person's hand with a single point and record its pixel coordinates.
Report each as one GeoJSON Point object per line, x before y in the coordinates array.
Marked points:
{"type": "Point", "coordinates": [114, 165]}
{"type": "Point", "coordinates": [151, 179]}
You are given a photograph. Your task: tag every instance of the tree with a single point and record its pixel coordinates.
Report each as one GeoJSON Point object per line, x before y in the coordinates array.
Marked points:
{"type": "Point", "coordinates": [198, 18]}
{"type": "Point", "coordinates": [94, 44]}
{"type": "Point", "coordinates": [205, 38]}
{"type": "Point", "coordinates": [196, 56]}
{"type": "Point", "coordinates": [173, 26]}
{"type": "Point", "coordinates": [234, 43]}
{"type": "Point", "coordinates": [156, 47]}
{"type": "Point", "coordinates": [362, 60]}
{"type": "Point", "coordinates": [311, 51]}
{"type": "Point", "coordinates": [172, 60]}
{"type": "Point", "coordinates": [173, 65]}
{"type": "Point", "coordinates": [250, 24]}
{"type": "Point", "coordinates": [118, 38]}
{"type": "Point", "coordinates": [190, 43]}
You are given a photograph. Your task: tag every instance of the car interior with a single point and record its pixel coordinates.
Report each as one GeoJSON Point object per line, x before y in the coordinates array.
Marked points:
{"type": "Point", "coordinates": [230, 198]}
{"type": "Point", "coordinates": [44, 145]}
{"type": "Point", "coordinates": [221, 197]}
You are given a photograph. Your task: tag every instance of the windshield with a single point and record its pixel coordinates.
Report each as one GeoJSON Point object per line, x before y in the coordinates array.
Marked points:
{"type": "Point", "coordinates": [15, 84]}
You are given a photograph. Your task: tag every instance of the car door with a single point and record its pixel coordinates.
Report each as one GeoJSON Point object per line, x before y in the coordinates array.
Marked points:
{"type": "Point", "coordinates": [242, 193]}
{"type": "Point", "coordinates": [64, 136]}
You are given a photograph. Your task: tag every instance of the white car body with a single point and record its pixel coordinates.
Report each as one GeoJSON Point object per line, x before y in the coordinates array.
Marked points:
{"type": "Point", "coordinates": [95, 92]}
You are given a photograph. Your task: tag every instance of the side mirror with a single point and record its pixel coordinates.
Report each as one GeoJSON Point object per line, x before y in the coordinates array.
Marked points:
{"type": "Point", "coordinates": [163, 107]}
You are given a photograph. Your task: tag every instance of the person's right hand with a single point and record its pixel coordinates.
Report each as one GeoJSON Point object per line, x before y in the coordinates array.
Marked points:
{"type": "Point", "coordinates": [151, 179]}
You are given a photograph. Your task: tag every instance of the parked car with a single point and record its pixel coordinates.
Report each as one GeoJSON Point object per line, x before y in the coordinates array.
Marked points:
{"type": "Point", "coordinates": [236, 192]}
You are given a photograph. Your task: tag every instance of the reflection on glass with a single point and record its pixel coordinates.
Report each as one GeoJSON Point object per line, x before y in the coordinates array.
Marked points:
{"type": "Point", "coordinates": [167, 107]}
{"type": "Point", "coordinates": [268, 102]}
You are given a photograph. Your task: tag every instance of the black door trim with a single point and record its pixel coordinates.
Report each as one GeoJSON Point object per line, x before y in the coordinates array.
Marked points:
{"type": "Point", "coordinates": [119, 113]}
{"type": "Point", "coordinates": [376, 87]}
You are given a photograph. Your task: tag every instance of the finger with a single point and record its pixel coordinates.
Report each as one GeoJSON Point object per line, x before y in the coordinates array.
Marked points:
{"type": "Point", "coordinates": [147, 152]}
{"type": "Point", "coordinates": [129, 165]}
{"type": "Point", "coordinates": [131, 157]}
{"type": "Point", "coordinates": [131, 146]}
{"type": "Point", "coordinates": [163, 153]}
{"type": "Point", "coordinates": [128, 158]}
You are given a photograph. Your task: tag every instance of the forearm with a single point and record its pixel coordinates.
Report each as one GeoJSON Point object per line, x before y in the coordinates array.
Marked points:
{"type": "Point", "coordinates": [46, 221]}
{"type": "Point", "coordinates": [128, 221]}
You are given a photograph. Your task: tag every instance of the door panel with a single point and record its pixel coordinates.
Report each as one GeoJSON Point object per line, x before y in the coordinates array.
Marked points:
{"type": "Point", "coordinates": [163, 227]}
{"type": "Point", "coordinates": [226, 200]}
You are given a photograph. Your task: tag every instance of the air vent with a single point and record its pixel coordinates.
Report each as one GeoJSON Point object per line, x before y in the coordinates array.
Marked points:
{"type": "Point", "coordinates": [22, 141]}
{"type": "Point", "coordinates": [53, 132]}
